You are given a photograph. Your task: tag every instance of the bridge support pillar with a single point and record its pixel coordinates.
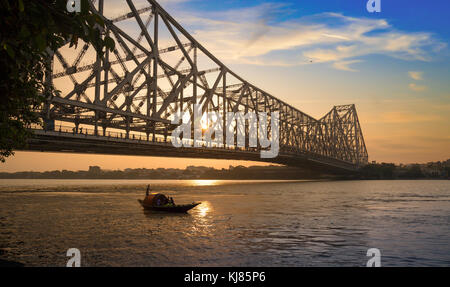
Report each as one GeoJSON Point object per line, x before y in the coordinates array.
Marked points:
{"type": "Point", "coordinates": [165, 133]}
{"type": "Point", "coordinates": [96, 124]}
{"type": "Point", "coordinates": [153, 132]}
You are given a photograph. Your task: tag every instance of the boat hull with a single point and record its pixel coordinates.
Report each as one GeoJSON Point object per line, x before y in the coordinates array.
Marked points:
{"type": "Point", "coordinates": [176, 208]}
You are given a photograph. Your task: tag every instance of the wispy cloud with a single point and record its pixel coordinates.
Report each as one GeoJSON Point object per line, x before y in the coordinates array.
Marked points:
{"type": "Point", "coordinates": [417, 88]}
{"type": "Point", "coordinates": [255, 35]}
{"type": "Point", "coordinates": [249, 35]}
{"type": "Point", "coordinates": [415, 75]}
{"type": "Point", "coordinates": [344, 65]}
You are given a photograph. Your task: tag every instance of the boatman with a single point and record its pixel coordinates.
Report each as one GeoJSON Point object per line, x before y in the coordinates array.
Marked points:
{"type": "Point", "coordinates": [148, 190]}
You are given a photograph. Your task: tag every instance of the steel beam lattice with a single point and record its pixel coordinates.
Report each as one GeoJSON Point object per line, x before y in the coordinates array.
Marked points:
{"type": "Point", "coordinates": [161, 69]}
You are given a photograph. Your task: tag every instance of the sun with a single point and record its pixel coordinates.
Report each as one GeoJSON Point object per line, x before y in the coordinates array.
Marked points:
{"type": "Point", "coordinates": [204, 122]}
{"type": "Point", "coordinates": [204, 125]}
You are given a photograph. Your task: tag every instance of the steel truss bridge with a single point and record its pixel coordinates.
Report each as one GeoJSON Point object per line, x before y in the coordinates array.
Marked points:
{"type": "Point", "coordinates": [123, 102]}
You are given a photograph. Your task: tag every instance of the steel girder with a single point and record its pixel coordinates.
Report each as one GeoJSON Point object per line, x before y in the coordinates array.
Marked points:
{"type": "Point", "coordinates": [138, 87]}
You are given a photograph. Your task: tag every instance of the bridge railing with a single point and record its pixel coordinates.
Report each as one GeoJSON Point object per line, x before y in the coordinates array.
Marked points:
{"type": "Point", "coordinates": [141, 138]}
{"type": "Point", "coordinates": [134, 137]}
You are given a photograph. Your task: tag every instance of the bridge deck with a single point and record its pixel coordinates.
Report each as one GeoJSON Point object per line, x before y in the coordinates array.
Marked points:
{"type": "Point", "coordinates": [55, 141]}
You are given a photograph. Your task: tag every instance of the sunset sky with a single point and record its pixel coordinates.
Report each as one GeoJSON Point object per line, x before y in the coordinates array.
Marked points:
{"type": "Point", "coordinates": [394, 65]}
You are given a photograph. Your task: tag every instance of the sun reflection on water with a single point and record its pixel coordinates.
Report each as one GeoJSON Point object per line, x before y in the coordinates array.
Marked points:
{"type": "Point", "coordinates": [202, 223]}
{"type": "Point", "coordinates": [203, 209]}
{"type": "Point", "coordinates": [205, 182]}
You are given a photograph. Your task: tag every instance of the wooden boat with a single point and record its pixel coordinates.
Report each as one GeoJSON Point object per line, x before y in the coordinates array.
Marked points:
{"type": "Point", "coordinates": [159, 202]}
{"type": "Point", "coordinates": [183, 208]}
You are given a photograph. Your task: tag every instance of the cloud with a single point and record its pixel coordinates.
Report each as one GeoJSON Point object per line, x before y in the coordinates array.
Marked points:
{"type": "Point", "coordinates": [344, 65]}
{"type": "Point", "coordinates": [258, 35]}
{"type": "Point", "coordinates": [416, 75]}
{"type": "Point", "coordinates": [249, 35]}
{"type": "Point", "coordinates": [417, 88]}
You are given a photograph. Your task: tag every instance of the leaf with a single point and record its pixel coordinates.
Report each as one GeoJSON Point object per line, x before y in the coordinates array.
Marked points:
{"type": "Point", "coordinates": [109, 43]}
{"type": "Point", "coordinates": [21, 7]}
{"type": "Point", "coordinates": [9, 50]}
{"type": "Point", "coordinates": [24, 33]}
{"type": "Point", "coordinates": [40, 41]}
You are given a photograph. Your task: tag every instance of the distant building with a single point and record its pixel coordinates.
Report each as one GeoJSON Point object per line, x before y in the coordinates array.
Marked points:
{"type": "Point", "coordinates": [446, 163]}
{"type": "Point", "coordinates": [197, 169]}
{"type": "Point", "coordinates": [95, 170]}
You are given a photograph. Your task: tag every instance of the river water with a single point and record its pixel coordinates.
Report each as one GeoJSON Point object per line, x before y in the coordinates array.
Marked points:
{"type": "Point", "coordinates": [239, 223]}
